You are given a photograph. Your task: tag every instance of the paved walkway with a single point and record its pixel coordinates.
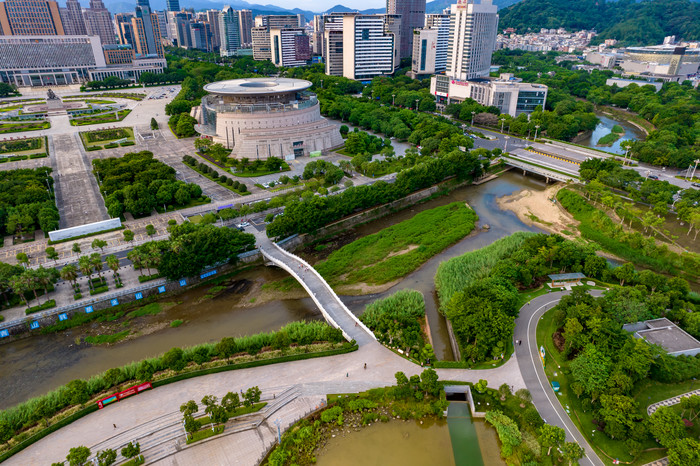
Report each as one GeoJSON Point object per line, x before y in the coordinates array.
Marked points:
{"type": "Point", "coordinates": [532, 371]}
{"type": "Point", "coordinates": [313, 377]}
{"type": "Point", "coordinates": [330, 305]}
{"type": "Point", "coordinates": [651, 409]}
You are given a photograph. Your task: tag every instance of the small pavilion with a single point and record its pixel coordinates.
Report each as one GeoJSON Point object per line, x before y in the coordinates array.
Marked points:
{"type": "Point", "coordinates": [566, 279]}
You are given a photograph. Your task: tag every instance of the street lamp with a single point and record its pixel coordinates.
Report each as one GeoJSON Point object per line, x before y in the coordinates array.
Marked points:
{"type": "Point", "coordinates": [473, 113]}
{"type": "Point", "coordinates": [322, 84]}
{"type": "Point", "coordinates": [393, 98]}
{"type": "Point", "coordinates": [505, 148]}
{"type": "Point", "coordinates": [417, 100]}
{"type": "Point", "coordinates": [537, 127]}
{"type": "Point", "coordinates": [503, 120]}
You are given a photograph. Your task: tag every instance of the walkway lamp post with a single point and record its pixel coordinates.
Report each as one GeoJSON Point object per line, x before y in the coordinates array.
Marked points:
{"type": "Point", "coordinates": [537, 127]}
{"type": "Point", "coordinates": [393, 99]}
{"type": "Point", "coordinates": [473, 113]}
{"type": "Point", "coordinates": [503, 120]}
{"type": "Point", "coordinates": [277, 422]}
{"type": "Point", "coordinates": [417, 100]}
{"type": "Point", "coordinates": [505, 148]}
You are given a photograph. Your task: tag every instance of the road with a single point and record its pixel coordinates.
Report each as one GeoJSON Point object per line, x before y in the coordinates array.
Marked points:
{"type": "Point", "coordinates": [514, 142]}
{"type": "Point", "coordinates": [532, 371]}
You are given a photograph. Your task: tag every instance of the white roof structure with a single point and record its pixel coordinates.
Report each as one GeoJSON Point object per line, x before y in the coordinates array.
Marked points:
{"type": "Point", "coordinates": [257, 86]}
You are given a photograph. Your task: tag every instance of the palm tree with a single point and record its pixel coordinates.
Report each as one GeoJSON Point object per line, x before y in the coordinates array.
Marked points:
{"type": "Point", "coordinates": [43, 279]}
{"type": "Point", "coordinates": [29, 277]}
{"type": "Point", "coordinates": [136, 258]}
{"type": "Point", "coordinates": [19, 287]}
{"type": "Point", "coordinates": [113, 263]}
{"type": "Point", "coordinates": [86, 268]}
{"type": "Point", "coordinates": [96, 262]}
{"type": "Point", "coordinates": [70, 273]}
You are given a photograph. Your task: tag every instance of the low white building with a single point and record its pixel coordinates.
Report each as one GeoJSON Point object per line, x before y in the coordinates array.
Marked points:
{"type": "Point", "coordinates": [510, 95]}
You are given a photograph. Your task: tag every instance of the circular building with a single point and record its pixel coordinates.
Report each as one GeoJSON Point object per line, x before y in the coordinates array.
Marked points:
{"type": "Point", "coordinates": [259, 118]}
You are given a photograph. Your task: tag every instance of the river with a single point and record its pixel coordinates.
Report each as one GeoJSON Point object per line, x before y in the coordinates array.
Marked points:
{"type": "Point", "coordinates": [36, 365]}
{"type": "Point", "coordinates": [604, 127]}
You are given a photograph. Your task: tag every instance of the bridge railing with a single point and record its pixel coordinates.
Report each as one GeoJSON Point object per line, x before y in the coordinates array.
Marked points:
{"type": "Point", "coordinates": [342, 304]}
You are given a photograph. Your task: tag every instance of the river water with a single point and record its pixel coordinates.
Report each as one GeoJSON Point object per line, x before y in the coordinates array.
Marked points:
{"type": "Point", "coordinates": [36, 365]}
{"type": "Point", "coordinates": [604, 127]}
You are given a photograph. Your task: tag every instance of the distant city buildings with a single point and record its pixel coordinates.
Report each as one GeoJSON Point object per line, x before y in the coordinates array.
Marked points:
{"type": "Point", "coordinates": [546, 40]}
{"type": "Point", "coordinates": [412, 17]}
{"type": "Point", "coordinates": [472, 38]}
{"type": "Point", "coordinates": [229, 32]}
{"type": "Point", "coordinates": [369, 46]}
{"type": "Point", "coordinates": [42, 44]}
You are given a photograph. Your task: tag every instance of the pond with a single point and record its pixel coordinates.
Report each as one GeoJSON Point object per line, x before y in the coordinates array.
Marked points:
{"type": "Point", "coordinates": [605, 127]}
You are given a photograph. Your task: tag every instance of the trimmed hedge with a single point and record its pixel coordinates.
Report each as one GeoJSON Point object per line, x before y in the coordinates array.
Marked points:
{"type": "Point", "coordinates": [92, 148]}
{"type": "Point", "coordinates": [148, 278]}
{"type": "Point", "coordinates": [41, 307]}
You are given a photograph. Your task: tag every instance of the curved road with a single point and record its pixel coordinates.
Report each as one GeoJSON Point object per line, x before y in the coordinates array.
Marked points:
{"type": "Point", "coordinates": [532, 371]}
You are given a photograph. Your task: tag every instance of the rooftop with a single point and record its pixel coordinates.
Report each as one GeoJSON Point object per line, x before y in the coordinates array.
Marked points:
{"type": "Point", "coordinates": [664, 333]}
{"type": "Point", "coordinates": [567, 276]}
{"type": "Point", "coordinates": [257, 86]}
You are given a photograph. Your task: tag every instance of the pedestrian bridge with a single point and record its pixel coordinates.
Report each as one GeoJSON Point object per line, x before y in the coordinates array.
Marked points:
{"type": "Point", "coordinates": [332, 308]}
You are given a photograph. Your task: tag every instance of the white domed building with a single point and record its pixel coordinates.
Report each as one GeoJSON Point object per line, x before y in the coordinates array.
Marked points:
{"type": "Point", "coordinates": [259, 118]}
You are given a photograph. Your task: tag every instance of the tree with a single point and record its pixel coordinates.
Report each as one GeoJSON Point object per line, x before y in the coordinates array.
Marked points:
{"type": "Point", "coordinates": [22, 258]}
{"type": "Point", "coordinates": [685, 451]}
{"type": "Point", "coordinates": [692, 405]}
{"type": "Point", "coordinates": [128, 235]}
{"type": "Point", "coordinates": [524, 395]}
{"type": "Point", "coordinates": [106, 457]}
{"type": "Point", "coordinates": [624, 273]}
{"type": "Point", "coordinates": [131, 449]}
{"type": "Point", "coordinates": [85, 267]}
{"type": "Point", "coordinates": [136, 258]}
{"type": "Point", "coordinates": [76, 248]}
{"type": "Point", "coordinates": [251, 396]}
{"type": "Point", "coordinates": [99, 244]}
{"type": "Point", "coordinates": [78, 390]}
{"type": "Point", "coordinates": [150, 230]}
{"type": "Point", "coordinates": [154, 124]}
{"type": "Point", "coordinates": [51, 253]}
{"type": "Point", "coordinates": [208, 401]}
{"type": "Point", "coordinates": [173, 359]}
{"type": "Point", "coordinates": [590, 370]}
{"type": "Point", "coordinates": [191, 424]}
{"type": "Point", "coordinates": [429, 382]}
{"type": "Point", "coordinates": [480, 386]}
{"type": "Point", "coordinates": [78, 456]}
{"type": "Point", "coordinates": [6, 431]}
{"type": "Point", "coordinates": [666, 426]}
{"type": "Point", "coordinates": [113, 263]}
{"type": "Point", "coordinates": [504, 390]}
{"type": "Point", "coordinates": [96, 262]}
{"type": "Point", "coordinates": [70, 273]}
{"type": "Point", "coordinates": [231, 401]}
{"type": "Point", "coordinates": [572, 452]}
{"type": "Point", "coordinates": [189, 408]}
{"type": "Point", "coordinates": [551, 436]}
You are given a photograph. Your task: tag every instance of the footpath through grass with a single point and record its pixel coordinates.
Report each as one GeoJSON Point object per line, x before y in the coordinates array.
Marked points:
{"type": "Point", "coordinates": [399, 249]}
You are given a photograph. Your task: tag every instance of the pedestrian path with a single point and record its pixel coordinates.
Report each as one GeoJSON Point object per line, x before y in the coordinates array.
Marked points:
{"type": "Point", "coordinates": [332, 308]}
{"type": "Point", "coordinates": [651, 409]}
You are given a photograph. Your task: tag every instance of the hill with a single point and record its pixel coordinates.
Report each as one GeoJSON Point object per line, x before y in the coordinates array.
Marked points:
{"type": "Point", "coordinates": [632, 23]}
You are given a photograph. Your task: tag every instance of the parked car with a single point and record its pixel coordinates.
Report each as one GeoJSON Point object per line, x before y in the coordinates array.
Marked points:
{"type": "Point", "coordinates": [695, 185]}
{"type": "Point", "coordinates": [653, 177]}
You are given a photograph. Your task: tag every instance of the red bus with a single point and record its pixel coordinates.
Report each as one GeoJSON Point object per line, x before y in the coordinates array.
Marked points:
{"type": "Point", "coordinates": [123, 394]}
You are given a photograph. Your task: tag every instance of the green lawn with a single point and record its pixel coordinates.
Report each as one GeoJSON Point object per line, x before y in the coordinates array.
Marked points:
{"type": "Point", "coordinates": [398, 250]}
{"type": "Point", "coordinates": [31, 125]}
{"type": "Point", "coordinates": [206, 433]}
{"type": "Point", "coordinates": [100, 118]}
{"type": "Point", "coordinates": [251, 174]}
{"type": "Point", "coordinates": [103, 138]}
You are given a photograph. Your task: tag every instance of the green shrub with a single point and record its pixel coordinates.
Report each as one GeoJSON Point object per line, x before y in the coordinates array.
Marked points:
{"type": "Point", "coordinates": [47, 305]}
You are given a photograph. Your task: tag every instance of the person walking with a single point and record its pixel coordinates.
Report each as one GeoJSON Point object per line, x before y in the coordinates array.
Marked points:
{"type": "Point", "coordinates": [365, 365]}
{"type": "Point", "coordinates": [115, 426]}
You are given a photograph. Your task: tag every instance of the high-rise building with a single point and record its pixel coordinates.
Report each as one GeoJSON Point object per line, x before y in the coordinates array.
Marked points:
{"type": "Point", "coordinates": [229, 32]}
{"type": "Point", "coordinates": [72, 18]}
{"type": "Point", "coordinates": [98, 22]}
{"type": "Point", "coordinates": [441, 22]}
{"type": "Point", "coordinates": [30, 18]}
{"type": "Point", "coordinates": [245, 22]}
{"type": "Point", "coordinates": [368, 47]}
{"type": "Point", "coordinates": [125, 28]}
{"type": "Point", "coordinates": [163, 25]}
{"type": "Point", "coordinates": [412, 16]}
{"type": "Point", "coordinates": [317, 36]}
{"type": "Point", "coordinates": [424, 48]}
{"type": "Point", "coordinates": [172, 5]}
{"type": "Point", "coordinates": [213, 20]}
{"type": "Point", "coordinates": [333, 51]}
{"type": "Point", "coordinates": [200, 36]}
{"type": "Point", "coordinates": [260, 34]}
{"type": "Point", "coordinates": [392, 24]}
{"type": "Point", "coordinates": [143, 3]}
{"type": "Point", "coordinates": [146, 30]}
{"type": "Point", "coordinates": [289, 47]}
{"type": "Point", "coordinates": [473, 29]}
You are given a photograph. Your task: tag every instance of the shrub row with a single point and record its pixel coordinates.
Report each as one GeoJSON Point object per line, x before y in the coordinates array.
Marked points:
{"type": "Point", "coordinates": [213, 175]}
{"type": "Point", "coordinates": [47, 305]}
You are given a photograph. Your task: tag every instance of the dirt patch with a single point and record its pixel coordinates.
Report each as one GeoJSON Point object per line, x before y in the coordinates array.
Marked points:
{"type": "Point", "coordinates": [537, 208]}
{"type": "Point", "coordinates": [559, 340]}
{"type": "Point", "coordinates": [410, 248]}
